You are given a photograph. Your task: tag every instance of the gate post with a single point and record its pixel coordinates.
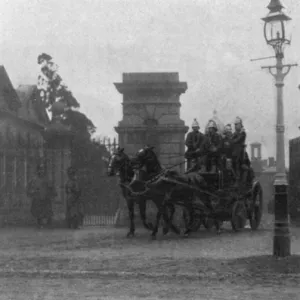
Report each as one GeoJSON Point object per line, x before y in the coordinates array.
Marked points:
{"type": "Point", "coordinates": [58, 157]}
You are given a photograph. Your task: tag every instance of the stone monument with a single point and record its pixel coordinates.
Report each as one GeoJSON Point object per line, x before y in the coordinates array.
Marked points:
{"type": "Point", "coordinates": [151, 115]}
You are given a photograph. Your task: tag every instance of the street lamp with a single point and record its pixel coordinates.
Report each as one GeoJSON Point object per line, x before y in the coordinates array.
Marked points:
{"type": "Point", "coordinates": [276, 36]}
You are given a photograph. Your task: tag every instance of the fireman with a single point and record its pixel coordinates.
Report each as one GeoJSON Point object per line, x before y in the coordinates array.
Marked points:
{"type": "Point", "coordinates": [227, 137]}
{"type": "Point", "coordinates": [211, 148]}
{"type": "Point", "coordinates": [193, 142]}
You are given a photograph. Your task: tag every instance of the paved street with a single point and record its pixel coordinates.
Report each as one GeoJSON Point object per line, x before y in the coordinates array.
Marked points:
{"type": "Point", "coordinates": [141, 289]}
{"type": "Point", "coordinates": [100, 263]}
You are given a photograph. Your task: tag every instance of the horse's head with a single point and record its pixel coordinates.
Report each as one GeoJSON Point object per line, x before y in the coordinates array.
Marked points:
{"type": "Point", "coordinates": [147, 160]}
{"type": "Point", "coordinates": [117, 160]}
{"type": "Point", "coordinates": [145, 165]}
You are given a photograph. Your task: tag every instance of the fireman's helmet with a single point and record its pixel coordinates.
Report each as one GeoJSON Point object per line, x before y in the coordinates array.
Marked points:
{"type": "Point", "coordinates": [195, 124]}
{"type": "Point", "coordinates": [212, 124]}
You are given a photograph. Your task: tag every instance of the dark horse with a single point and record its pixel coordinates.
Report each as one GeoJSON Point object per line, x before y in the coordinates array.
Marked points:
{"type": "Point", "coordinates": [121, 163]}
{"type": "Point", "coordinates": [151, 171]}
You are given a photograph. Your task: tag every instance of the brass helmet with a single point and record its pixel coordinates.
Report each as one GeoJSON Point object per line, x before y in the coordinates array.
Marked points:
{"type": "Point", "coordinates": [212, 124]}
{"type": "Point", "coordinates": [195, 124]}
{"type": "Point", "coordinates": [238, 120]}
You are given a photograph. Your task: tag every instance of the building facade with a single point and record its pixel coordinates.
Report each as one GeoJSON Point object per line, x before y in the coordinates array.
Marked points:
{"type": "Point", "coordinates": [23, 145]}
{"type": "Point", "coordinates": [265, 171]}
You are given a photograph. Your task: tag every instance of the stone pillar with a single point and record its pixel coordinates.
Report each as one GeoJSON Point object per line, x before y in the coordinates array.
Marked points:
{"type": "Point", "coordinates": [58, 159]}
{"type": "Point", "coordinates": [151, 115]}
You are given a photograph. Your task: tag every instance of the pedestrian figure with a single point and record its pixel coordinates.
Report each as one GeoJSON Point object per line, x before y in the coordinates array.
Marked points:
{"type": "Point", "coordinates": [41, 192]}
{"type": "Point", "coordinates": [75, 212]}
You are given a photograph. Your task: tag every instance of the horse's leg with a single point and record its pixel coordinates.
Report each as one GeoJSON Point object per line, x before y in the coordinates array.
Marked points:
{"type": "Point", "coordinates": [39, 222]}
{"type": "Point", "coordinates": [155, 228]}
{"type": "Point", "coordinates": [142, 206]}
{"type": "Point", "coordinates": [172, 212]}
{"type": "Point", "coordinates": [190, 209]}
{"type": "Point", "coordinates": [161, 211]}
{"type": "Point", "coordinates": [130, 205]}
{"type": "Point", "coordinates": [218, 226]}
{"type": "Point", "coordinates": [166, 209]}
{"type": "Point", "coordinates": [167, 221]}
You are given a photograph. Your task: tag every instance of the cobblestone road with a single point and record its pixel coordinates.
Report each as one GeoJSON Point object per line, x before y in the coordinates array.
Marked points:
{"type": "Point", "coordinates": [99, 263]}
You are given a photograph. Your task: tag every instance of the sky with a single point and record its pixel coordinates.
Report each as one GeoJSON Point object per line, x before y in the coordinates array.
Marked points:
{"type": "Point", "coordinates": [208, 42]}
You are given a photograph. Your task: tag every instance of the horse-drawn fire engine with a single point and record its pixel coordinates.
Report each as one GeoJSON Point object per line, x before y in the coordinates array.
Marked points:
{"type": "Point", "coordinates": [208, 198]}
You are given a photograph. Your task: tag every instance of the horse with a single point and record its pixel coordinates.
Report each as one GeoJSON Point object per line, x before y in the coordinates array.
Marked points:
{"type": "Point", "coordinates": [151, 172]}
{"type": "Point", "coordinates": [120, 162]}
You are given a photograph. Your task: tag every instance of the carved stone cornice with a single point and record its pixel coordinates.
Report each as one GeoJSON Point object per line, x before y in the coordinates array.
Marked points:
{"type": "Point", "coordinates": [151, 88]}
{"type": "Point", "coordinates": [160, 128]}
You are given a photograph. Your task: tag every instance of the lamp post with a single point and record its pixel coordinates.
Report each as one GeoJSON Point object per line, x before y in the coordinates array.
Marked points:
{"type": "Point", "coordinates": [275, 36]}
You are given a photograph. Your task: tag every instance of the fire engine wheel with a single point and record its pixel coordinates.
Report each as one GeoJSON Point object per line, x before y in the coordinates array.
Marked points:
{"type": "Point", "coordinates": [239, 216]}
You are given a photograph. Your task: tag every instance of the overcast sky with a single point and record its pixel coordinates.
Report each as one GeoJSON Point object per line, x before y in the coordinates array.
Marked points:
{"type": "Point", "coordinates": [209, 42]}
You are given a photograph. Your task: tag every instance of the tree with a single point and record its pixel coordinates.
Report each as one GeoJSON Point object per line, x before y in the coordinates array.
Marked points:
{"type": "Point", "coordinates": [59, 100]}
{"type": "Point", "coordinates": [52, 89]}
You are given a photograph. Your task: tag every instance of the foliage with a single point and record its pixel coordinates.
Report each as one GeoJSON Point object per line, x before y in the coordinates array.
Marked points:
{"type": "Point", "coordinates": [51, 85]}
{"type": "Point", "coordinates": [53, 92]}
{"type": "Point", "coordinates": [79, 122]}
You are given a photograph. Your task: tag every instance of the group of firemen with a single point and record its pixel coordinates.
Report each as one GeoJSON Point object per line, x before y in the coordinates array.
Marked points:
{"type": "Point", "coordinates": [207, 149]}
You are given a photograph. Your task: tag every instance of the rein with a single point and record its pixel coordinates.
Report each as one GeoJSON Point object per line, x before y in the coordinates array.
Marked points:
{"type": "Point", "coordinates": [151, 180]}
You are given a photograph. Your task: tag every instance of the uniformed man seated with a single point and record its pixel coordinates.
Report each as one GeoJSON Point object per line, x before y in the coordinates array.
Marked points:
{"type": "Point", "coordinates": [193, 142]}
{"type": "Point", "coordinates": [247, 173]}
{"type": "Point", "coordinates": [210, 150]}
{"type": "Point", "coordinates": [227, 141]}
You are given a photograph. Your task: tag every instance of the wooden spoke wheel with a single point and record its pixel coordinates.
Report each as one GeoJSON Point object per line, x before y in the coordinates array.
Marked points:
{"type": "Point", "coordinates": [256, 207]}
{"type": "Point", "coordinates": [239, 216]}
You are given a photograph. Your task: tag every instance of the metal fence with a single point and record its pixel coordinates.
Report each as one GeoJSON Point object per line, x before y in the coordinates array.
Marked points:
{"type": "Point", "coordinates": [101, 193]}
